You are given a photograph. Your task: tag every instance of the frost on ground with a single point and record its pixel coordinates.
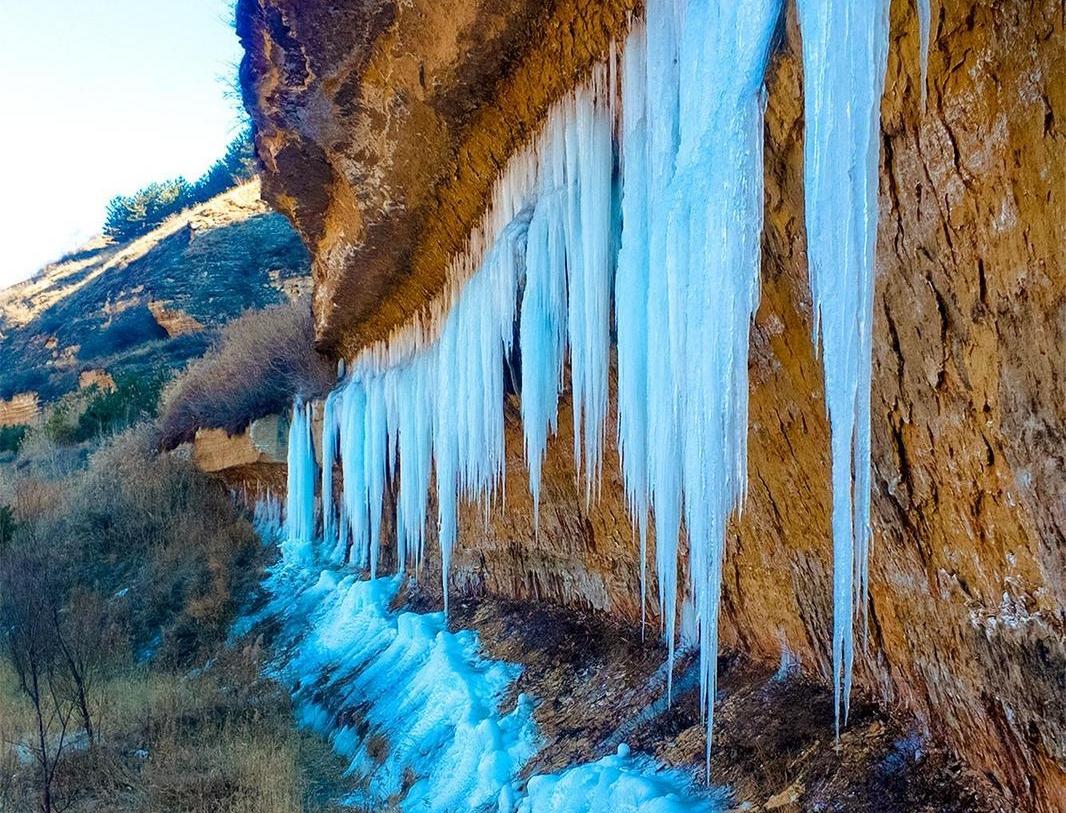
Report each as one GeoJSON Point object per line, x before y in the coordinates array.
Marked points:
{"type": "Point", "coordinates": [418, 710]}
{"type": "Point", "coordinates": [620, 783]}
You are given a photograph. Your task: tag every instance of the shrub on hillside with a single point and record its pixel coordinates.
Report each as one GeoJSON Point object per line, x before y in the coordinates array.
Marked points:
{"type": "Point", "coordinates": [11, 437]}
{"type": "Point", "coordinates": [156, 538]}
{"type": "Point", "coordinates": [134, 398]}
{"type": "Point", "coordinates": [262, 360]}
{"type": "Point", "coordinates": [130, 216]}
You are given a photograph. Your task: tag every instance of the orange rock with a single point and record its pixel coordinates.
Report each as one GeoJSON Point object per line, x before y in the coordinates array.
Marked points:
{"type": "Point", "coordinates": [175, 322]}
{"type": "Point", "coordinates": [382, 127]}
{"type": "Point", "coordinates": [19, 409]}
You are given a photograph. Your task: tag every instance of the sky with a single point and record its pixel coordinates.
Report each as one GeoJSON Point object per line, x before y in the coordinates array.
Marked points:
{"type": "Point", "coordinates": [98, 98]}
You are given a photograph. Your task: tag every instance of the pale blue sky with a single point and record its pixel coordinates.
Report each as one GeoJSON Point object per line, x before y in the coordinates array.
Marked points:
{"type": "Point", "coordinates": [97, 98]}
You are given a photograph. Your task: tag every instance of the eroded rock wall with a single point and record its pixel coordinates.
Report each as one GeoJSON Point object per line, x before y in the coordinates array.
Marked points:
{"type": "Point", "coordinates": [382, 126]}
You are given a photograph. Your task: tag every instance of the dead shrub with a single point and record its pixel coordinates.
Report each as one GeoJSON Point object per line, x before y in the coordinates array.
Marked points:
{"type": "Point", "coordinates": [261, 361]}
{"type": "Point", "coordinates": [162, 541]}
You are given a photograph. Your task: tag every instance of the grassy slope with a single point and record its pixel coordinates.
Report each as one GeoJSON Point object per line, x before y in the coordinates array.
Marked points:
{"type": "Point", "coordinates": [90, 309]}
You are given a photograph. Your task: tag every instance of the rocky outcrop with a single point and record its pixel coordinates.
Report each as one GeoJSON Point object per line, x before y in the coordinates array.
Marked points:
{"type": "Point", "coordinates": [101, 379]}
{"type": "Point", "coordinates": [382, 127]}
{"type": "Point", "coordinates": [19, 410]}
{"type": "Point", "coordinates": [262, 442]}
{"type": "Point", "coordinates": [173, 320]}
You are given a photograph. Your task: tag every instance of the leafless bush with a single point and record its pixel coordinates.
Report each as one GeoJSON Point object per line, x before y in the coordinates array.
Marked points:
{"type": "Point", "coordinates": [30, 598]}
{"type": "Point", "coordinates": [261, 361]}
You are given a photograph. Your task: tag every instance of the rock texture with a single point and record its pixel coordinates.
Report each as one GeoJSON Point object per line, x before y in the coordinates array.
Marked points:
{"type": "Point", "coordinates": [262, 442]}
{"type": "Point", "coordinates": [382, 126]}
{"type": "Point", "coordinates": [173, 320]}
{"type": "Point", "coordinates": [20, 409]}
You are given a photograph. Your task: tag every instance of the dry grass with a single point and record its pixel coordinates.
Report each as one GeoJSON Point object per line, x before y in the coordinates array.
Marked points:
{"type": "Point", "coordinates": [262, 360]}
{"type": "Point", "coordinates": [221, 739]}
{"type": "Point", "coordinates": [184, 723]}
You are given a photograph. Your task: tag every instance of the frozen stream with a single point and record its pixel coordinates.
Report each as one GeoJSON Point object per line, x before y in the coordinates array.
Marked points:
{"type": "Point", "coordinates": [419, 711]}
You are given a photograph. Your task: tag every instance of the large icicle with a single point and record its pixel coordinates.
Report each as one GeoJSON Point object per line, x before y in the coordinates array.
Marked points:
{"type": "Point", "coordinates": [666, 384]}
{"type": "Point", "coordinates": [542, 325]}
{"type": "Point", "coordinates": [716, 227]}
{"type": "Point", "coordinates": [845, 47]}
{"type": "Point", "coordinates": [631, 295]}
{"type": "Point", "coordinates": [589, 161]}
{"type": "Point", "coordinates": [692, 216]}
{"type": "Point", "coordinates": [300, 498]}
{"type": "Point", "coordinates": [329, 457]}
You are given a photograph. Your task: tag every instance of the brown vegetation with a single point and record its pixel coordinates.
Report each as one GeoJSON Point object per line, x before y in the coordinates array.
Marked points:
{"type": "Point", "coordinates": [219, 739]}
{"type": "Point", "coordinates": [119, 581]}
{"type": "Point", "coordinates": [261, 362]}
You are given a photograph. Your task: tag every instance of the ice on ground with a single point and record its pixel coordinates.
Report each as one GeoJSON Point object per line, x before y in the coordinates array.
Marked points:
{"type": "Point", "coordinates": [620, 783]}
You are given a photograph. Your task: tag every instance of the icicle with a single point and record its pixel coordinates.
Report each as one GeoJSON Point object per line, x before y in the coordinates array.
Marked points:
{"type": "Point", "coordinates": [542, 326]}
{"type": "Point", "coordinates": [408, 394]}
{"type": "Point", "coordinates": [631, 297]}
{"type": "Point", "coordinates": [300, 499]}
{"type": "Point", "coordinates": [428, 404]}
{"type": "Point", "coordinates": [666, 385]}
{"type": "Point", "coordinates": [374, 468]}
{"type": "Point", "coordinates": [924, 26]}
{"type": "Point", "coordinates": [845, 46]}
{"type": "Point", "coordinates": [352, 448]}
{"type": "Point", "coordinates": [716, 228]}
{"type": "Point", "coordinates": [329, 457]}
{"type": "Point", "coordinates": [589, 160]}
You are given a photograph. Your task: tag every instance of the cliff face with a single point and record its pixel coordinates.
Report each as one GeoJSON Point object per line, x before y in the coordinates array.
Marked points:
{"type": "Point", "coordinates": [382, 127]}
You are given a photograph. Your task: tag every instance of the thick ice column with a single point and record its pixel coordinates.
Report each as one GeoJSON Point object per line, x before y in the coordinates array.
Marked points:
{"type": "Point", "coordinates": [543, 319]}
{"type": "Point", "coordinates": [589, 165]}
{"type": "Point", "coordinates": [352, 421]}
{"type": "Point", "coordinates": [374, 467]}
{"type": "Point", "coordinates": [300, 500]}
{"type": "Point", "coordinates": [666, 384]}
{"type": "Point", "coordinates": [329, 457]}
{"type": "Point", "coordinates": [845, 45]}
{"type": "Point", "coordinates": [631, 294]}
{"type": "Point", "coordinates": [412, 427]}
{"type": "Point", "coordinates": [713, 224]}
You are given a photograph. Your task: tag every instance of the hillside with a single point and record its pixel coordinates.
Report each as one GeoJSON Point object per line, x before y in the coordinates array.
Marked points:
{"type": "Point", "coordinates": [147, 306]}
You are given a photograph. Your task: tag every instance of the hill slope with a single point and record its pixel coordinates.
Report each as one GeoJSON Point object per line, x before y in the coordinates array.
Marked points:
{"type": "Point", "coordinates": [145, 306]}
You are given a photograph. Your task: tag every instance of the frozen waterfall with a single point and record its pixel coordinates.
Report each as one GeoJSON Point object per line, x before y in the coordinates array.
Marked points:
{"type": "Point", "coordinates": [300, 499]}
{"type": "Point", "coordinates": [643, 190]}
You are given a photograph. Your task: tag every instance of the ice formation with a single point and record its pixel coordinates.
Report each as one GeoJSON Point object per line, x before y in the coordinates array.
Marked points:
{"type": "Point", "coordinates": [417, 710]}
{"type": "Point", "coordinates": [692, 221]}
{"type": "Point", "coordinates": [845, 48]}
{"type": "Point", "coordinates": [267, 518]}
{"type": "Point", "coordinates": [656, 201]}
{"type": "Point", "coordinates": [615, 783]}
{"type": "Point", "coordinates": [361, 674]}
{"type": "Point", "coordinates": [300, 494]}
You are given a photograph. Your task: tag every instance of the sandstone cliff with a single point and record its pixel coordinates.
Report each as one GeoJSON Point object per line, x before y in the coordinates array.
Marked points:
{"type": "Point", "coordinates": [382, 127]}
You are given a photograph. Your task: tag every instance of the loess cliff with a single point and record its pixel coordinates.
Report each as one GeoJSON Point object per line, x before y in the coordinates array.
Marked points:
{"type": "Point", "coordinates": [382, 127]}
